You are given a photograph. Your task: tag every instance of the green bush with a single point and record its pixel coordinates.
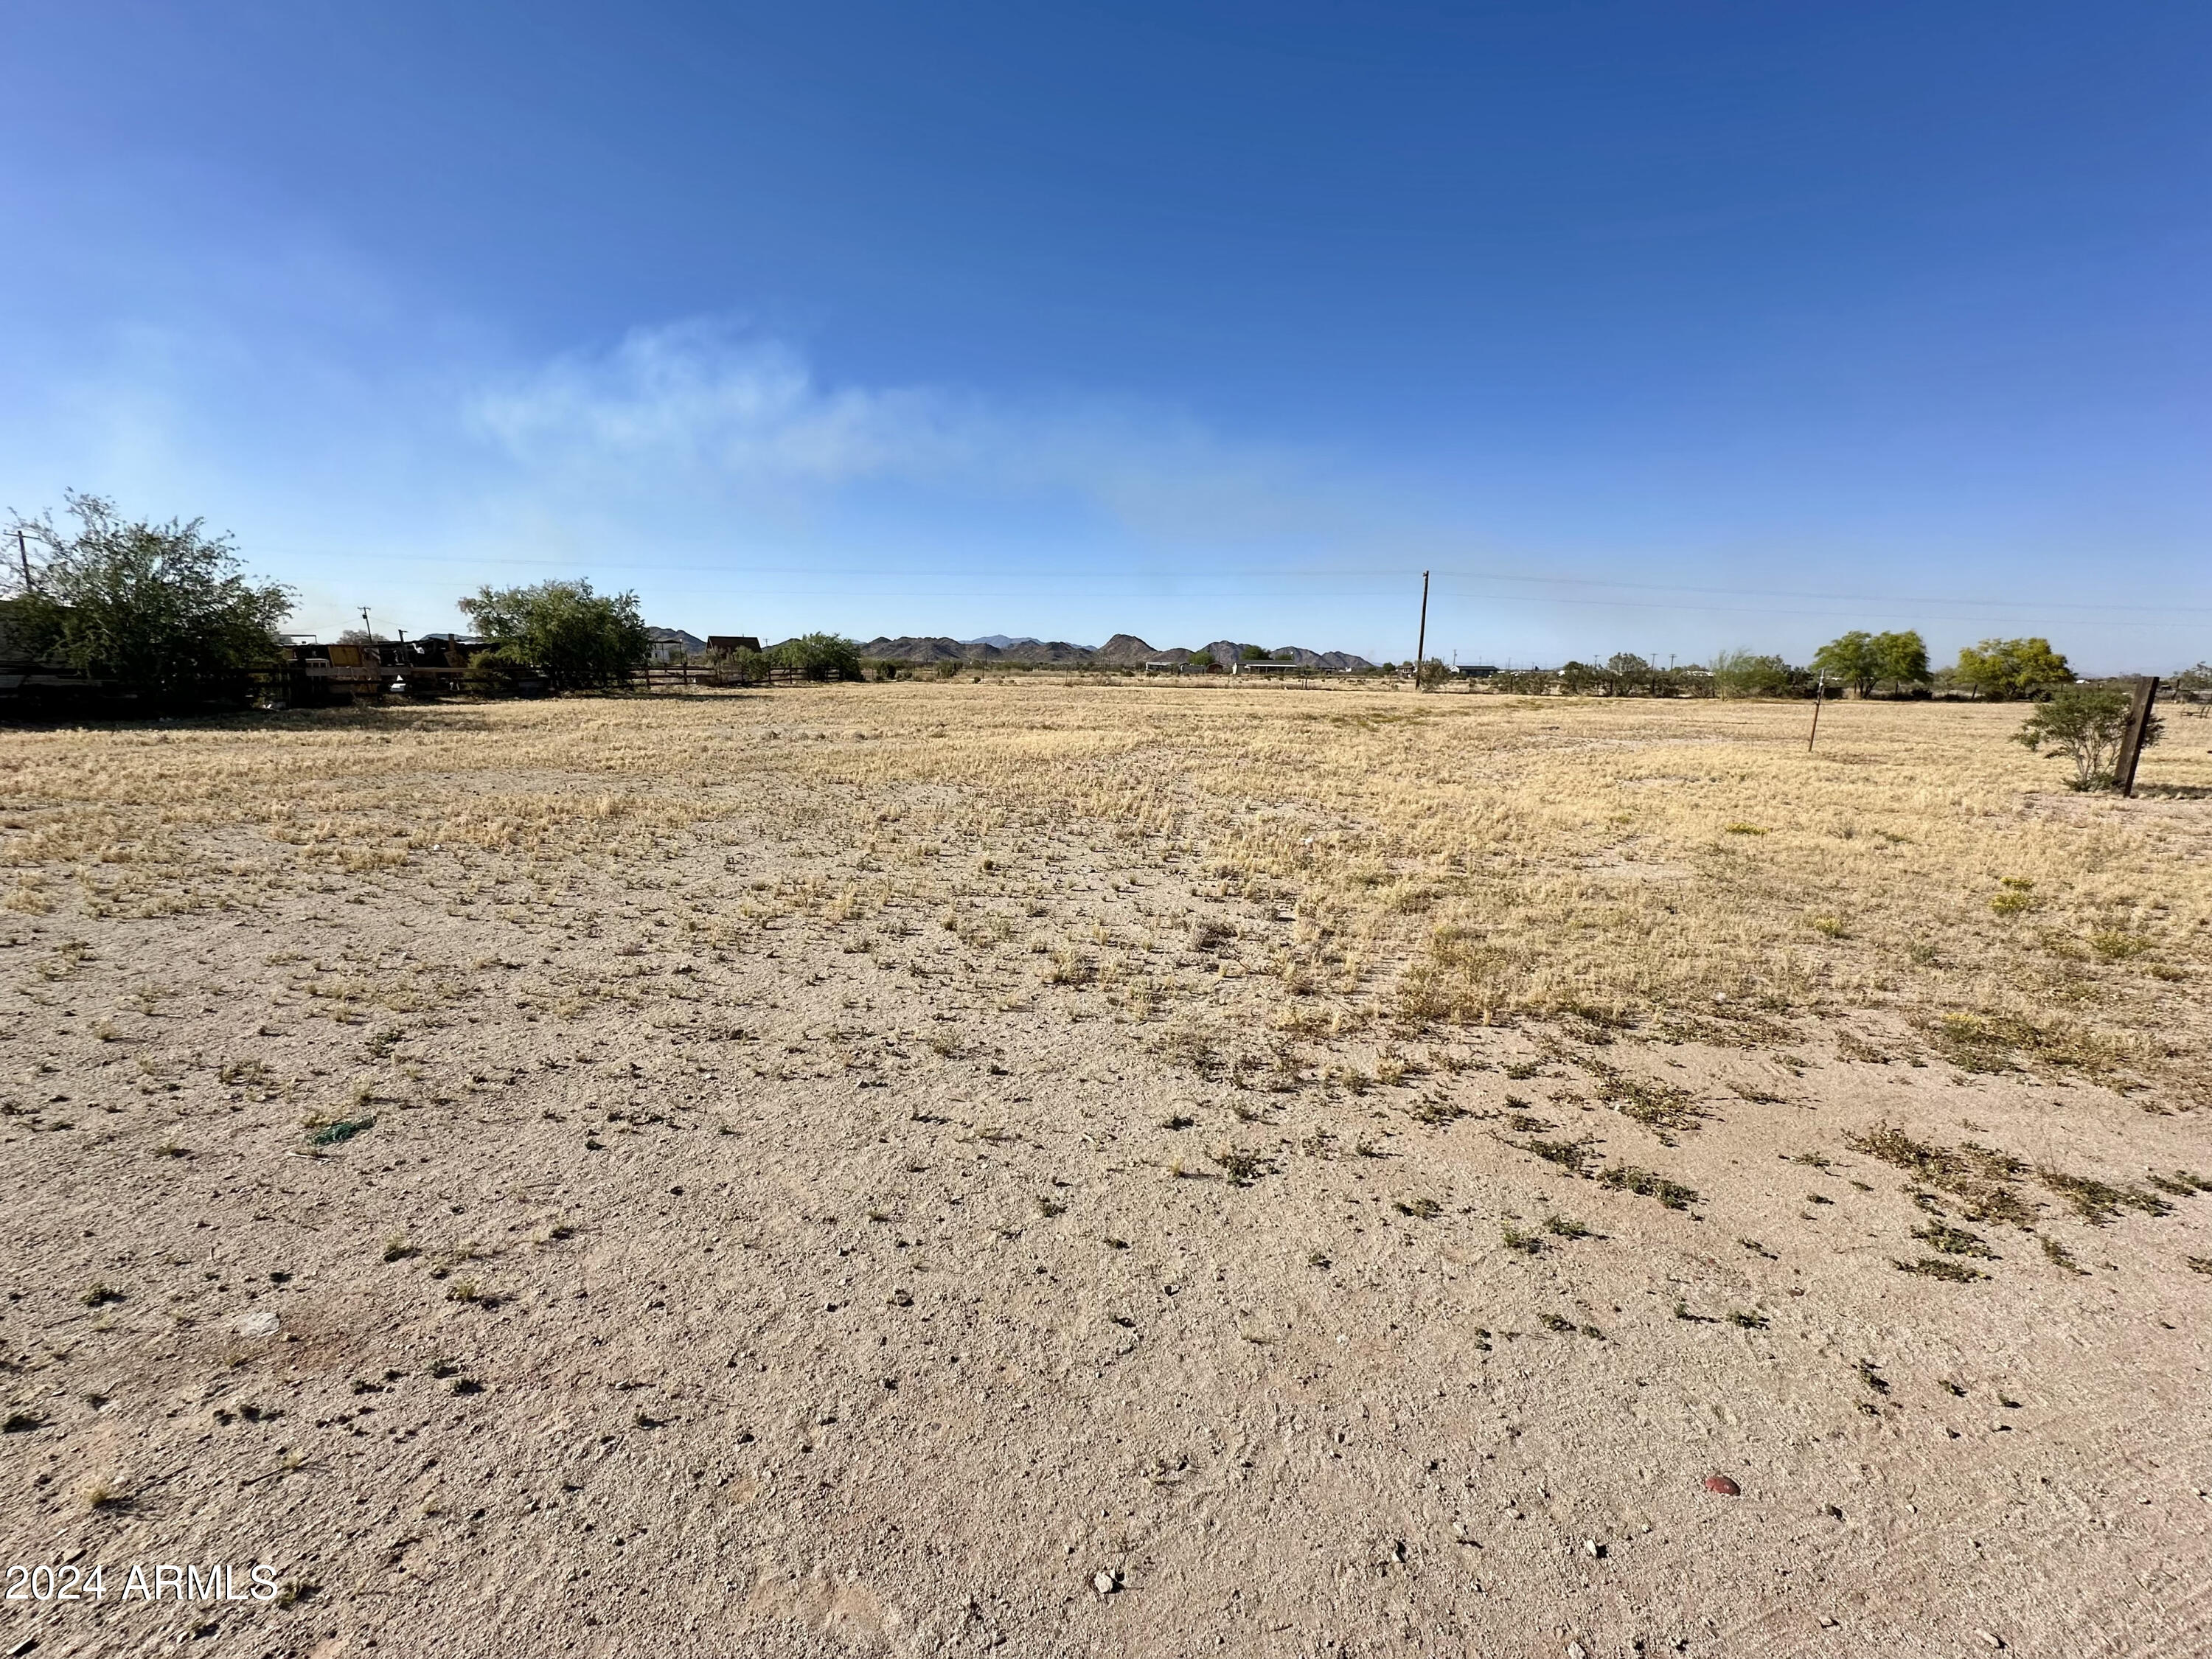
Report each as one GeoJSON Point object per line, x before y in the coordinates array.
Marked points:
{"type": "Point", "coordinates": [1866, 661]}
{"type": "Point", "coordinates": [498, 672]}
{"type": "Point", "coordinates": [574, 637]}
{"type": "Point", "coordinates": [2084, 724]}
{"type": "Point", "coordinates": [1741, 674]}
{"type": "Point", "coordinates": [159, 611]}
{"type": "Point", "coordinates": [2008, 670]}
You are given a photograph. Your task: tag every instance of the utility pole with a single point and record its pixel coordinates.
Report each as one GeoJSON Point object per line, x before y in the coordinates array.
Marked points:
{"type": "Point", "coordinates": [366, 628]}
{"type": "Point", "coordinates": [2132, 740]}
{"type": "Point", "coordinates": [1421, 643]}
{"type": "Point", "coordinates": [23, 552]}
{"type": "Point", "coordinates": [1819, 696]}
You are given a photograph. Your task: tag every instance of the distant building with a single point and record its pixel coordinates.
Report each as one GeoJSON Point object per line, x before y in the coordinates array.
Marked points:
{"type": "Point", "coordinates": [673, 644]}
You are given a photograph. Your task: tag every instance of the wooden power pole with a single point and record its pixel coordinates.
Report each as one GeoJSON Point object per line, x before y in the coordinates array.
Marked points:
{"type": "Point", "coordinates": [2131, 738]}
{"type": "Point", "coordinates": [1421, 641]}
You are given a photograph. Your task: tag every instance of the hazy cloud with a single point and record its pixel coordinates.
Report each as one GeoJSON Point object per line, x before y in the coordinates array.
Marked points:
{"type": "Point", "coordinates": [701, 406]}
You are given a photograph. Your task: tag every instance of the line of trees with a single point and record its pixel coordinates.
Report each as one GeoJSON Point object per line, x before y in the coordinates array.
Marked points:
{"type": "Point", "coordinates": [1860, 663]}
{"type": "Point", "coordinates": [168, 614]}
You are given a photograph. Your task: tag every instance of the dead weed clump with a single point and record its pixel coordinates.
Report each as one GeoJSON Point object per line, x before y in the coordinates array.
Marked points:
{"type": "Point", "coordinates": [1648, 1184]}
{"type": "Point", "coordinates": [1990, 1044]}
{"type": "Point", "coordinates": [1573, 1156]}
{"type": "Point", "coordinates": [1930, 1267]}
{"type": "Point", "coordinates": [1665, 1109]}
{"type": "Point", "coordinates": [1981, 1178]}
{"type": "Point", "coordinates": [2099, 1202]}
{"type": "Point", "coordinates": [1241, 1165]}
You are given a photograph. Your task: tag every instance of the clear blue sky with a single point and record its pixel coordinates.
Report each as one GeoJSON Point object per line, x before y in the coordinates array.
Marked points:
{"type": "Point", "coordinates": [1660, 327]}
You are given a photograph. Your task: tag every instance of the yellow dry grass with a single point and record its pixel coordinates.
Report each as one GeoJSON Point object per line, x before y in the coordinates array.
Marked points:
{"type": "Point", "coordinates": [1448, 859]}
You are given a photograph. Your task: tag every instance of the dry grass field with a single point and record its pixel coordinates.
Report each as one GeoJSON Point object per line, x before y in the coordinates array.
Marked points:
{"type": "Point", "coordinates": [1107, 1168]}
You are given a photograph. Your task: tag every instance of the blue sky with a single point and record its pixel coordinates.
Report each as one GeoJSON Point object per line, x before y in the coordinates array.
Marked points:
{"type": "Point", "coordinates": [1654, 327]}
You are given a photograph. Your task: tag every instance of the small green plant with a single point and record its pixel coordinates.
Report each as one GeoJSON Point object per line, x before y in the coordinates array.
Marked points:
{"type": "Point", "coordinates": [2117, 944]}
{"type": "Point", "coordinates": [1421, 1209]}
{"type": "Point", "coordinates": [396, 1248]}
{"type": "Point", "coordinates": [1743, 829]}
{"type": "Point", "coordinates": [99, 1293]}
{"type": "Point", "coordinates": [1564, 1227]}
{"type": "Point", "coordinates": [1514, 1239]}
{"type": "Point", "coordinates": [1749, 1321]}
{"type": "Point", "coordinates": [2084, 724]}
{"type": "Point", "coordinates": [338, 1133]}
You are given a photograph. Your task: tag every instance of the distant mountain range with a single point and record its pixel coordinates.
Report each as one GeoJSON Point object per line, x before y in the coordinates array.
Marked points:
{"type": "Point", "coordinates": [1123, 650]}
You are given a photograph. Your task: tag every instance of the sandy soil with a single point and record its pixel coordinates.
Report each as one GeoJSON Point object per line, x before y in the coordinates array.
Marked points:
{"type": "Point", "coordinates": [840, 1286]}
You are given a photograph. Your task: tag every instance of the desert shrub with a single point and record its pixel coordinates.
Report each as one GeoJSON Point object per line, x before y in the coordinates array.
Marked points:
{"type": "Point", "coordinates": [162, 611]}
{"type": "Point", "coordinates": [2194, 685]}
{"type": "Point", "coordinates": [576, 636]}
{"type": "Point", "coordinates": [2008, 670]}
{"type": "Point", "coordinates": [2083, 724]}
{"type": "Point", "coordinates": [1741, 674]}
{"type": "Point", "coordinates": [750, 666]}
{"type": "Point", "coordinates": [819, 657]}
{"type": "Point", "coordinates": [498, 672]}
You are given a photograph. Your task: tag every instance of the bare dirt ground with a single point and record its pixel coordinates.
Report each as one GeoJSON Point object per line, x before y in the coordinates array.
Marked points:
{"type": "Point", "coordinates": [1128, 1169]}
